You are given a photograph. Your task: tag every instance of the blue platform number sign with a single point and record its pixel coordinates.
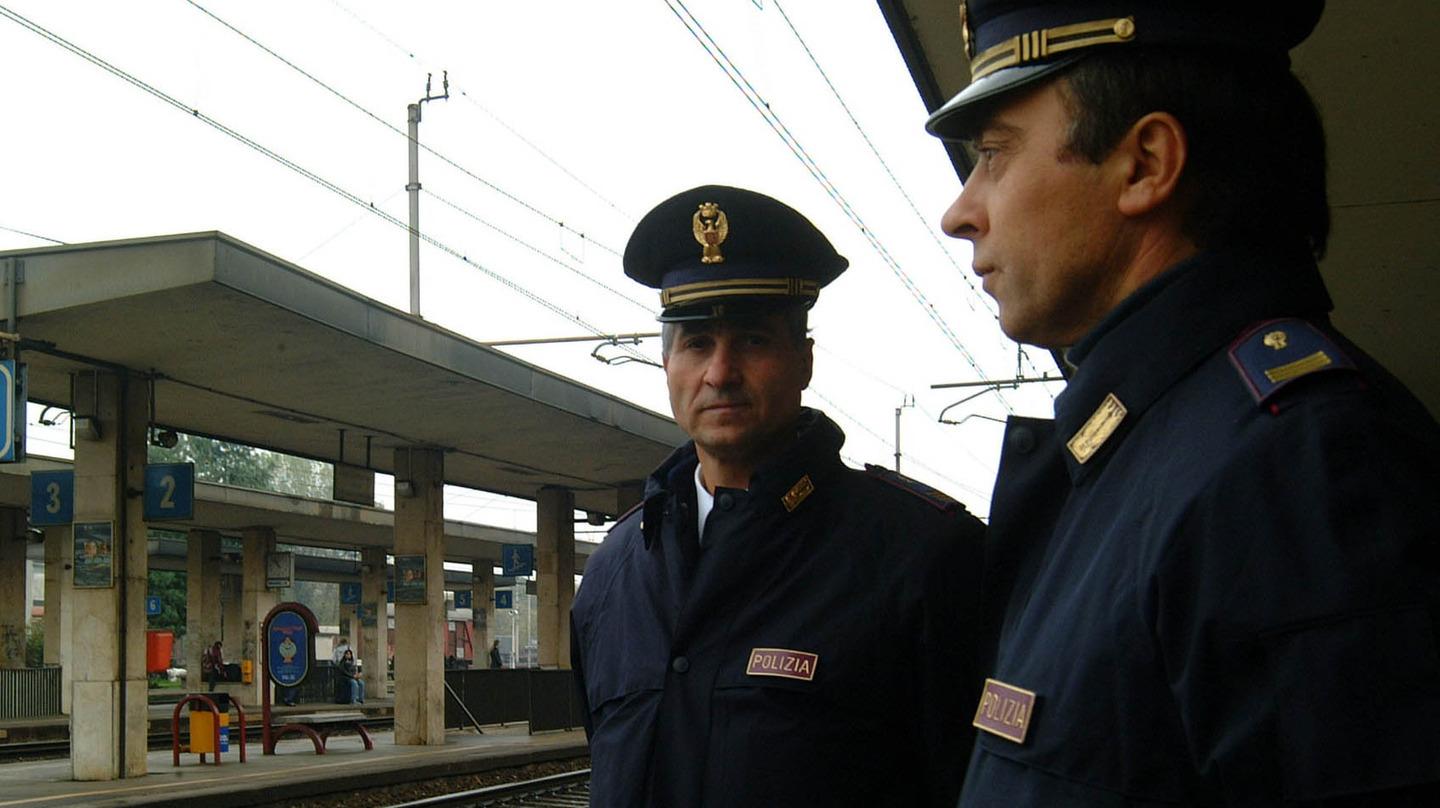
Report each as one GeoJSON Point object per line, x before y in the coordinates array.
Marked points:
{"type": "Point", "coordinates": [52, 497]}
{"type": "Point", "coordinates": [12, 412]}
{"type": "Point", "coordinates": [504, 599]}
{"type": "Point", "coordinates": [152, 606]}
{"type": "Point", "coordinates": [463, 599]}
{"type": "Point", "coordinates": [289, 650]}
{"type": "Point", "coordinates": [169, 491]}
{"type": "Point", "coordinates": [517, 559]}
{"type": "Point", "coordinates": [349, 594]}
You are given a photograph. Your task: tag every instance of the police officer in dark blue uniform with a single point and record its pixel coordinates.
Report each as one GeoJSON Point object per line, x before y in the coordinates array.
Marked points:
{"type": "Point", "coordinates": [1212, 579]}
{"type": "Point", "coordinates": [770, 626]}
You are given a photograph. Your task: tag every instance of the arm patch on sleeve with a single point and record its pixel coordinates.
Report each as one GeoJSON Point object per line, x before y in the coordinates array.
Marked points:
{"type": "Point", "coordinates": [932, 496]}
{"type": "Point", "coordinates": [1272, 354]}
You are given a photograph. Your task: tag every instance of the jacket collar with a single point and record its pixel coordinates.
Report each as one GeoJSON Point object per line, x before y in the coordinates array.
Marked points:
{"type": "Point", "coordinates": [1163, 331]}
{"type": "Point", "coordinates": [814, 452]}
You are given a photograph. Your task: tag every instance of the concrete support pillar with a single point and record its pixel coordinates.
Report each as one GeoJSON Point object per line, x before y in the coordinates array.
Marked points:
{"type": "Point", "coordinates": [482, 609]}
{"type": "Point", "coordinates": [554, 573]}
{"type": "Point", "coordinates": [372, 636]}
{"type": "Point", "coordinates": [109, 721]}
{"type": "Point", "coordinates": [202, 603]}
{"type": "Point", "coordinates": [14, 588]}
{"type": "Point", "coordinates": [232, 602]}
{"type": "Point", "coordinates": [256, 544]}
{"type": "Point", "coordinates": [59, 554]}
{"type": "Point", "coordinates": [420, 628]}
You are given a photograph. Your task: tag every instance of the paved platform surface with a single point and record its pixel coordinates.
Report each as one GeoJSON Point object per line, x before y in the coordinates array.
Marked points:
{"type": "Point", "coordinates": [293, 772]}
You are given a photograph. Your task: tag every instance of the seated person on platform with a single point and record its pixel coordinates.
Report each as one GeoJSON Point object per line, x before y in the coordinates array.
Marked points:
{"type": "Point", "coordinates": [213, 667]}
{"type": "Point", "coordinates": [350, 680]}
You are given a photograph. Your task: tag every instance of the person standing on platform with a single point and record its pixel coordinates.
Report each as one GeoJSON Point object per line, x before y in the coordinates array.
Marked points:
{"type": "Point", "coordinates": [723, 636]}
{"type": "Point", "coordinates": [212, 664]}
{"type": "Point", "coordinates": [1214, 578]}
{"type": "Point", "coordinates": [338, 652]}
{"type": "Point", "coordinates": [495, 662]}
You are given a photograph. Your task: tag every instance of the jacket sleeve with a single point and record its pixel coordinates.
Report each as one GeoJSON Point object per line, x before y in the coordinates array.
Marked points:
{"type": "Point", "coordinates": [577, 665]}
{"type": "Point", "coordinates": [949, 681]}
{"type": "Point", "coordinates": [1296, 602]}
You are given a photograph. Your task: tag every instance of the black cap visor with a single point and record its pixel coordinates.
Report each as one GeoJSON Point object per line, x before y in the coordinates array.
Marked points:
{"type": "Point", "coordinates": [957, 120]}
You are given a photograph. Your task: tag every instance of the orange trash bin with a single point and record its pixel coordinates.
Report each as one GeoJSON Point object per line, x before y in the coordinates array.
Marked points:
{"type": "Point", "coordinates": [159, 645]}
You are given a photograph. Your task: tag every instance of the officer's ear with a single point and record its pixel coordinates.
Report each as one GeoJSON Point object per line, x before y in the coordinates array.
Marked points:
{"type": "Point", "coordinates": [807, 353]}
{"type": "Point", "coordinates": [1150, 159]}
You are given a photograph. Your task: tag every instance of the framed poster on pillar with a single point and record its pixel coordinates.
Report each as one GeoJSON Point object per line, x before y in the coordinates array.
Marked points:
{"type": "Point", "coordinates": [94, 566]}
{"type": "Point", "coordinates": [410, 579]}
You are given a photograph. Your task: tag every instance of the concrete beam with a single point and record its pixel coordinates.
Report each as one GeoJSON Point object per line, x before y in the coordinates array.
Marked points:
{"type": "Point", "coordinates": [482, 610]}
{"type": "Point", "coordinates": [256, 544]}
{"type": "Point", "coordinates": [59, 555]}
{"type": "Point", "coordinates": [554, 573]}
{"type": "Point", "coordinates": [108, 715]}
{"type": "Point", "coordinates": [420, 627]}
{"type": "Point", "coordinates": [373, 638]}
{"type": "Point", "coordinates": [14, 588]}
{"type": "Point", "coordinates": [202, 602]}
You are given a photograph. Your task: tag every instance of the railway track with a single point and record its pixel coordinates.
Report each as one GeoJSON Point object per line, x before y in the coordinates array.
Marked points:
{"type": "Point", "coordinates": [568, 789]}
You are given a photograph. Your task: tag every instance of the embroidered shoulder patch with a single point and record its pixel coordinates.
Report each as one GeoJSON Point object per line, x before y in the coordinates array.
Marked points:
{"type": "Point", "coordinates": [1272, 354]}
{"type": "Point", "coordinates": [919, 489]}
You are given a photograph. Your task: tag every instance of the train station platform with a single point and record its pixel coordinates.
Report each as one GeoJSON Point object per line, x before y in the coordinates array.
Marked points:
{"type": "Point", "coordinates": [19, 730]}
{"type": "Point", "coordinates": [295, 772]}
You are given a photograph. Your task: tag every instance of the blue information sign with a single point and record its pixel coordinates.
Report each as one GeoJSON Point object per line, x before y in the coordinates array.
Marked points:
{"type": "Point", "coordinates": [12, 413]}
{"type": "Point", "coordinates": [289, 642]}
{"type": "Point", "coordinates": [52, 497]}
{"type": "Point", "coordinates": [152, 606]}
{"type": "Point", "coordinates": [349, 594]}
{"type": "Point", "coordinates": [169, 491]}
{"type": "Point", "coordinates": [517, 559]}
{"type": "Point", "coordinates": [463, 599]}
{"type": "Point", "coordinates": [390, 591]}
{"type": "Point", "coordinates": [504, 599]}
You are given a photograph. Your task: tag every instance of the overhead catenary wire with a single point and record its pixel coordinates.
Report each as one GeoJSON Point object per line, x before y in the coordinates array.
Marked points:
{"type": "Point", "coordinates": [31, 235]}
{"type": "Point", "coordinates": [460, 91]}
{"type": "Point", "coordinates": [397, 130]}
{"type": "Point", "coordinates": [547, 256]}
{"type": "Point", "coordinates": [298, 169]}
{"type": "Point", "coordinates": [885, 165]}
{"type": "Point", "coordinates": [758, 102]}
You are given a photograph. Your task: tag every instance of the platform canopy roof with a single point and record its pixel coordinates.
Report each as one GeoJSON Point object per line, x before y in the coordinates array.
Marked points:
{"type": "Point", "coordinates": [251, 349]}
{"type": "Point", "coordinates": [1370, 68]}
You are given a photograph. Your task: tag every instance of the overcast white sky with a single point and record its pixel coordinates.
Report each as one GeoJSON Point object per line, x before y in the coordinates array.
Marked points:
{"type": "Point", "coordinates": [581, 113]}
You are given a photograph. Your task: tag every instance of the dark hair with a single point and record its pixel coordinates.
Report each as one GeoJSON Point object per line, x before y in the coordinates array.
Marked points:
{"type": "Point", "coordinates": [1256, 167]}
{"type": "Point", "coordinates": [796, 323]}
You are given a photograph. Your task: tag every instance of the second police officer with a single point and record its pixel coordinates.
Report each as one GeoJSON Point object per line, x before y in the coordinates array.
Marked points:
{"type": "Point", "coordinates": [769, 626]}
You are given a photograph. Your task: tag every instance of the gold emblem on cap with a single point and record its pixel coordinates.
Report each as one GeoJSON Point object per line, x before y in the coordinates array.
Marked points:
{"type": "Point", "coordinates": [1276, 340]}
{"type": "Point", "coordinates": [797, 493]}
{"type": "Point", "coordinates": [711, 228]}
{"type": "Point", "coordinates": [966, 38]}
{"type": "Point", "coordinates": [1102, 424]}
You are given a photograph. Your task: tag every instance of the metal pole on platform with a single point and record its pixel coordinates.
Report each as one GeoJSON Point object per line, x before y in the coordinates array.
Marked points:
{"type": "Point", "coordinates": [412, 115]}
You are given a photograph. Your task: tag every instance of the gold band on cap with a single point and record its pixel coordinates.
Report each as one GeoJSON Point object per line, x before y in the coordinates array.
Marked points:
{"type": "Point", "coordinates": [739, 287]}
{"type": "Point", "coordinates": [1046, 42]}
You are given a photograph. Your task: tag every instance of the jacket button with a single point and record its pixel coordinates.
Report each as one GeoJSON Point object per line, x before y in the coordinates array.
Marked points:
{"type": "Point", "coordinates": [1021, 439]}
{"type": "Point", "coordinates": [680, 664]}
{"type": "Point", "coordinates": [726, 501]}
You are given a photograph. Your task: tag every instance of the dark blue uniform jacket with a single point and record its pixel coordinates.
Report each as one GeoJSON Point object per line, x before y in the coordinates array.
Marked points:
{"type": "Point", "coordinates": [1233, 601]}
{"type": "Point", "coordinates": [820, 655]}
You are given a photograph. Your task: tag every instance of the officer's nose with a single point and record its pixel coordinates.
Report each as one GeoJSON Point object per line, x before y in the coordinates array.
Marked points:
{"type": "Point", "coordinates": [723, 369]}
{"type": "Point", "coordinates": [965, 218]}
